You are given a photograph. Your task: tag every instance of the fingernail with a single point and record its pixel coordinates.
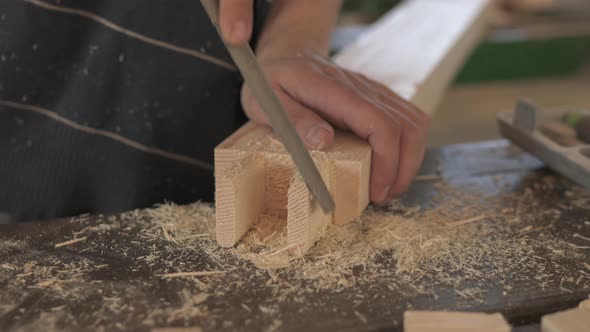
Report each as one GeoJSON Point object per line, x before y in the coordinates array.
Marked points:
{"type": "Point", "coordinates": [317, 136]}
{"type": "Point", "coordinates": [239, 31]}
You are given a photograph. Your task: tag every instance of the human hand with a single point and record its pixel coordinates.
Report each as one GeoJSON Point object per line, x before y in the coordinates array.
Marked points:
{"type": "Point", "coordinates": [317, 95]}
{"type": "Point", "coordinates": [236, 20]}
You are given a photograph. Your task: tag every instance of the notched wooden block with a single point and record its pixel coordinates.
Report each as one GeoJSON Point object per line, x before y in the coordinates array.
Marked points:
{"type": "Point", "coordinates": [254, 175]}
{"type": "Point", "coordinates": [442, 321]}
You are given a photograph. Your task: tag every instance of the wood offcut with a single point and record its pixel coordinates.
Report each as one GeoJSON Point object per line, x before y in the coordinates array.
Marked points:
{"type": "Point", "coordinates": [451, 321]}
{"type": "Point", "coordinates": [573, 320]}
{"type": "Point", "coordinates": [255, 176]}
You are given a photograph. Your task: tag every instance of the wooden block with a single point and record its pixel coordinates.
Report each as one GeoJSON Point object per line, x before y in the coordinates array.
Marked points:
{"type": "Point", "coordinates": [583, 129]}
{"type": "Point", "coordinates": [239, 199]}
{"type": "Point", "coordinates": [442, 321]}
{"type": "Point", "coordinates": [560, 133]}
{"type": "Point", "coordinates": [573, 320]}
{"type": "Point", "coordinates": [254, 175]}
{"type": "Point", "coordinates": [417, 48]}
{"type": "Point", "coordinates": [573, 162]}
{"type": "Point", "coordinates": [351, 172]}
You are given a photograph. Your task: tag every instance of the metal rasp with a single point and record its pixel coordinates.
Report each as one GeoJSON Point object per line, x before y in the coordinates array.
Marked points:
{"type": "Point", "coordinates": [247, 63]}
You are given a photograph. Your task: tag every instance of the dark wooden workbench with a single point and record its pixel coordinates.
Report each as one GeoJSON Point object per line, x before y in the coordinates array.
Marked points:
{"type": "Point", "coordinates": [122, 292]}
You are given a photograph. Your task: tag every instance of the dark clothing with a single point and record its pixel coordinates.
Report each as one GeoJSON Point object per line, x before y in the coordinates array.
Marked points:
{"type": "Point", "coordinates": [86, 68]}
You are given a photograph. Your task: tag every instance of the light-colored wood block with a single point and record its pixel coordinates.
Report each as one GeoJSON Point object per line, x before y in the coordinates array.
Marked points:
{"type": "Point", "coordinates": [416, 49]}
{"type": "Point", "coordinates": [351, 174]}
{"type": "Point", "coordinates": [443, 321]}
{"type": "Point", "coordinates": [560, 133]}
{"type": "Point", "coordinates": [254, 175]}
{"type": "Point", "coordinates": [239, 196]}
{"type": "Point", "coordinates": [573, 320]}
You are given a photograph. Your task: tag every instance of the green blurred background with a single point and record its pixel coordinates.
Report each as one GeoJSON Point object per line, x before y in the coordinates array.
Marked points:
{"type": "Point", "coordinates": [368, 9]}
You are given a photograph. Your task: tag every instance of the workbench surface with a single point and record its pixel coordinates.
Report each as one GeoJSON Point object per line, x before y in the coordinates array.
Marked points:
{"type": "Point", "coordinates": [106, 281]}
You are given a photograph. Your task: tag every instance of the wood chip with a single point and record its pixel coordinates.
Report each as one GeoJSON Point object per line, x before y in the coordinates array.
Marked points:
{"type": "Point", "coordinates": [189, 274]}
{"type": "Point", "coordinates": [466, 221]}
{"type": "Point", "coordinates": [70, 242]}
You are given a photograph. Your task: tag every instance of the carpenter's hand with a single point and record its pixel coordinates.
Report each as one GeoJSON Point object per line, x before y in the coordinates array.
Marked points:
{"type": "Point", "coordinates": [318, 94]}
{"type": "Point", "coordinates": [235, 20]}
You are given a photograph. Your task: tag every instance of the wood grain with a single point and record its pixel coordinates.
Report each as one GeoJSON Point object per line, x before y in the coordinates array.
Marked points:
{"type": "Point", "coordinates": [573, 320]}
{"type": "Point", "coordinates": [451, 321]}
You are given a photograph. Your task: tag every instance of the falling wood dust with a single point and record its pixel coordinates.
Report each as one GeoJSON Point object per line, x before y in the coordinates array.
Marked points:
{"type": "Point", "coordinates": [462, 237]}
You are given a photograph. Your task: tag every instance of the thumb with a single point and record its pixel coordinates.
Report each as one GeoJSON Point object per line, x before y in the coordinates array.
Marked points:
{"type": "Point", "coordinates": [315, 132]}
{"type": "Point", "coordinates": [236, 20]}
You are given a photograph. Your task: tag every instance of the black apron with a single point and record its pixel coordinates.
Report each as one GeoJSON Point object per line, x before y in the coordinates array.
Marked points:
{"type": "Point", "coordinates": [111, 105]}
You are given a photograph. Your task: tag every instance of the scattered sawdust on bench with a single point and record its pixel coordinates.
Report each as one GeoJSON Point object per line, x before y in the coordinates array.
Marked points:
{"type": "Point", "coordinates": [411, 247]}
{"type": "Point", "coordinates": [408, 248]}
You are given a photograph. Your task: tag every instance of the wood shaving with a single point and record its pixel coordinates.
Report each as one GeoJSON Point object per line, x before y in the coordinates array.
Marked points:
{"type": "Point", "coordinates": [70, 242]}
{"type": "Point", "coordinates": [190, 274]}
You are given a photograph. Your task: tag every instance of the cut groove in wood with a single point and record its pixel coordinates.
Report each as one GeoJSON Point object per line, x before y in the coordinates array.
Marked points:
{"type": "Point", "coordinates": [305, 219]}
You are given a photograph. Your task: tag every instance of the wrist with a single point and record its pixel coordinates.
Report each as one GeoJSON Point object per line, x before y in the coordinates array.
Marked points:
{"type": "Point", "coordinates": [297, 26]}
{"type": "Point", "coordinates": [288, 46]}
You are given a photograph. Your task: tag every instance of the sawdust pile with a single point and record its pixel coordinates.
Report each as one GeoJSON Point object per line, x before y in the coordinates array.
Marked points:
{"type": "Point", "coordinates": [464, 237]}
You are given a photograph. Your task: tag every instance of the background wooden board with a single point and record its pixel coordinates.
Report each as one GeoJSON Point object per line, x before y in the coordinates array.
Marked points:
{"type": "Point", "coordinates": [138, 299]}
{"type": "Point", "coordinates": [416, 49]}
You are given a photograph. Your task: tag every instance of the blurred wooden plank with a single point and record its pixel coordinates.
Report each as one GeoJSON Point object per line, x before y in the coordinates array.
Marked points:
{"type": "Point", "coordinates": [417, 48]}
{"type": "Point", "coordinates": [254, 175]}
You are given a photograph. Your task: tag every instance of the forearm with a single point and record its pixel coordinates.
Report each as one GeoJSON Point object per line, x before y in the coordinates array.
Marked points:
{"type": "Point", "coordinates": [294, 26]}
